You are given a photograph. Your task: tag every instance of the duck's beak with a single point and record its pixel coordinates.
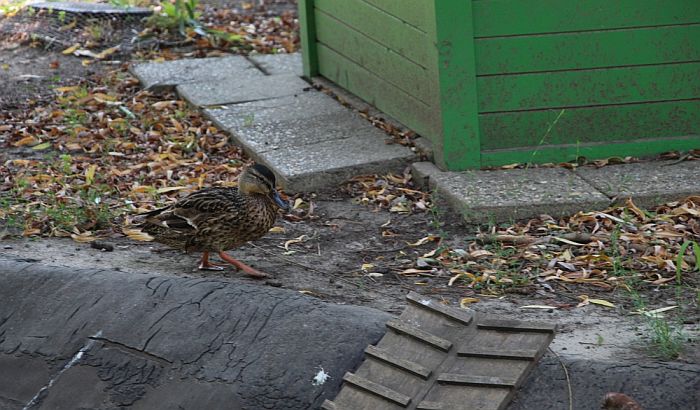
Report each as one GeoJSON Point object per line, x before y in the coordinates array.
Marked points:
{"type": "Point", "coordinates": [278, 200]}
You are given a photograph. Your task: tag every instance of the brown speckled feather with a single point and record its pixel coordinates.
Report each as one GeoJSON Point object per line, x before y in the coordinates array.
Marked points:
{"type": "Point", "coordinates": [212, 220]}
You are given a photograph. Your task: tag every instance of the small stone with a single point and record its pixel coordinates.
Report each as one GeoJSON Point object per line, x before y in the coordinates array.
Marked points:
{"type": "Point", "coordinates": [103, 246]}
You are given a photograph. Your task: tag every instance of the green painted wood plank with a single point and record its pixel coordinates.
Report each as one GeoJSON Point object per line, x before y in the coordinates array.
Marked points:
{"type": "Point", "coordinates": [590, 124]}
{"type": "Point", "coordinates": [517, 17]}
{"type": "Point", "coordinates": [414, 12]}
{"type": "Point", "coordinates": [307, 34]}
{"type": "Point", "coordinates": [564, 153]}
{"type": "Point", "coordinates": [461, 146]}
{"type": "Point", "coordinates": [589, 87]}
{"type": "Point", "coordinates": [413, 113]}
{"type": "Point", "coordinates": [384, 28]}
{"type": "Point", "coordinates": [593, 49]}
{"type": "Point", "coordinates": [383, 62]}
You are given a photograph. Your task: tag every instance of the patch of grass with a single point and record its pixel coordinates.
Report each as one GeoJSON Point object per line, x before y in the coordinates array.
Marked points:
{"type": "Point", "coordinates": [666, 338]}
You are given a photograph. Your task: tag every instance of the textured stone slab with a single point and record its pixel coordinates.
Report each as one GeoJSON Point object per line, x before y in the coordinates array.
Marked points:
{"type": "Point", "coordinates": [212, 71]}
{"type": "Point", "coordinates": [276, 64]}
{"type": "Point", "coordinates": [648, 183]}
{"type": "Point", "coordinates": [327, 164]}
{"type": "Point", "coordinates": [92, 8]}
{"type": "Point", "coordinates": [504, 195]}
{"type": "Point", "coordinates": [300, 107]}
{"type": "Point", "coordinates": [303, 133]}
{"type": "Point", "coordinates": [237, 90]}
{"type": "Point", "coordinates": [146, 341]}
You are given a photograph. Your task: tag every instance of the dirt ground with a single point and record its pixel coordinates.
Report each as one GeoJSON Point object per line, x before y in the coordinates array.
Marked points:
{"type": "Point", "coordinates": [326, 261]}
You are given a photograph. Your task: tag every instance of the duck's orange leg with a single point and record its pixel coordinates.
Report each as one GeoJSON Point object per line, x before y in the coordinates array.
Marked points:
{"type": "Point", "coordinates": [242, 266]}
{"type": "Point", "coordinates": [206, 265]}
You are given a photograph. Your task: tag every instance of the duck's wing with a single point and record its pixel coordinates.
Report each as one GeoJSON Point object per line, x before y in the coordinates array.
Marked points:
{"type": "Point", "coordinates": [188, 214]}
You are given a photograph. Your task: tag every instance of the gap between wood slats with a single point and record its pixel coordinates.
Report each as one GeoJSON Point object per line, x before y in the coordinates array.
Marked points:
{"type": "Point", "coordinates": [554, 33]}
{"type": "Point", "coordinates": [566, 107]}
{"type": "Point", "coordinates": [568, 70]}
{"type": "Point", "coordinates": [403, 5]}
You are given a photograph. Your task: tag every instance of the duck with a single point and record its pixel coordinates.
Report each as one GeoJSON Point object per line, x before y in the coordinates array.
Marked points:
{"type": "Point", "coordinates": [218, 219]}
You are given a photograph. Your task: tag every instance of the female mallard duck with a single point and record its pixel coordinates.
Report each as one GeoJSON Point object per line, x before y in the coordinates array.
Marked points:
{"type": "Point", "coordinates": [219, 219]}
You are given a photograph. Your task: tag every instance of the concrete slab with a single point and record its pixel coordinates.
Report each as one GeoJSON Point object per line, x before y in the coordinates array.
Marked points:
{"type": "Point", "coordinates": [92, 8]}
{"type": "Point", "coordinates": [150, 341]}
{"type": "Point", "coordinates": [277, 64]}
{"type": "Point", "coordinates": [302, 133]}
{"type": "Point", "coordinates": [293, 107]}
{"type": "Point", "coordinates": [327, 164]}
{"type": "Point", "coordinates": [648, 183]}
{"type": "Point", "coordinates": [484, 196]}
{"type": "Point", "coordinates": [237, 90]}
{"type": "Point", "coordinates": [168, 74]}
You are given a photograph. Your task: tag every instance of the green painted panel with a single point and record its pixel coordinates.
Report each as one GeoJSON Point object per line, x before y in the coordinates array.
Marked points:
{"type": "Point", "coordinates": [410, 111]}
{"type": "Point", "coordinates": [517, 17]}
{"type": "Point", "coordinates": [589, 87]}
{"type": "Point", "coordinates": [414, 12]}
{"type": "Point", "coordinates": [384, 28]}
{"type": "Point", "coordinates": [383, 62]}
{"type": "Point", "coordinates": [307, 34]}
{"type": "Point", "coordinates": [556, 154]}
{"type": "Point", "coordinates": [593, 49]}
{"type": "Point", "coordinates": [590, 124]}
{"type": "Point", "coordinates": [461, 146]}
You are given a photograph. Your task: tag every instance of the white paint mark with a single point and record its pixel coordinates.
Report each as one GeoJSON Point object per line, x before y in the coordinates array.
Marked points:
{"type": "Point", "coordinates": [71, 363]}
{"type": "Point", "coordinates": [425, 302]}
{"type": "Point", "coordinates": [321, 377]}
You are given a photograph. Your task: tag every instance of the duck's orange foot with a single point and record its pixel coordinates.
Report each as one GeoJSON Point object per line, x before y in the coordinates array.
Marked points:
{"type": "Point", "coordinates": [206, 265]}
{"type": "Point", "coordinates": [242, 266]}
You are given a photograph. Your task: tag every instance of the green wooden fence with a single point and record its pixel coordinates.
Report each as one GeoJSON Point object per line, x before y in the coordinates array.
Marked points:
{"type": "Point", "coordinates": [493, 82]}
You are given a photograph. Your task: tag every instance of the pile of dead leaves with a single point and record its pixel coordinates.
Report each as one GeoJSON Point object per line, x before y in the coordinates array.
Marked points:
{"type": "Point", "coordinates": [100, 149]}
{"type": "Point", "coordinates": [396, 193]}
{"type": "Point", "coordinates": [621, 246]}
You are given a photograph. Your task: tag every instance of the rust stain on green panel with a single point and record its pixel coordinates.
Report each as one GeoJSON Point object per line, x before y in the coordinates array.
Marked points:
{"type": "Point", "coordinates": [589, 87]}
{"type": "Point", "coordinates": [517, 17]}
{"type": "Point", "coordinates": [591, 124]}
{"type": "Point", "coordinates": [595, 49]}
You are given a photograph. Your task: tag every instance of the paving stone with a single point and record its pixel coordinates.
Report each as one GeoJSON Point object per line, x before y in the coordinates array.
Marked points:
{"type": "Point", "coordinates": [302, 133]}
{"type": "Point", "coordinates": [238, 91]}
{"type": "Point", "coordinates": [276, 64]}
{"type": "Point", "coordinates": [504, 195]}
{"type": "Point", "coordinates": [168, 74]}
{"type": "Point", "coordinates": [293, 107]}
{"type": "Point", "coordinates": [648, 183]}
{"type": "Point", "coordinates": [327, 164]}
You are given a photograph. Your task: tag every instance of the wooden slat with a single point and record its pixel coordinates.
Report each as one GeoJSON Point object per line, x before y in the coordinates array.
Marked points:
{"type": "Point", "coordinates": [462, 316]}
{"type": "Point", "coordinates": [411, 112]}
{"type": "Point", "coordinates": [431, 405]}
{"type": "Point", "coordinates": [569, 152]}
{"type": "Point", "coordinates": [470, 380]}
{"type": "Point", "coordinates": [414, 12]}
{"type": "Point", "coordinates": [419, 334]}
{"type": "Point", "coordinates": [376, 58]}
{"type": "Point", "coordinates": [377, 389]}
{"type": "Point", "coordinates": [328, 405]}
{"type": "Point", "coordinates": [516, 326]}
{"type": "Point", "coordinates": [384, 28]}
{"type": "Point", "coordinates": [407, 365]}
{"type": "Point", "coordinates": [589, 124]}
{"type": "Point", "coordinates": [516, 17]}
{"type": "Point", "coordinates": [588, 50]}
{"type": "Point", "coordinates": [589, 87]}
{"type": "Point", "coordinates": [499, 353]}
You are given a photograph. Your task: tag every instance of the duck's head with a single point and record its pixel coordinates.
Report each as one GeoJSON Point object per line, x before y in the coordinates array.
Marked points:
{"type": "Point", "coordinates": [260, 179]}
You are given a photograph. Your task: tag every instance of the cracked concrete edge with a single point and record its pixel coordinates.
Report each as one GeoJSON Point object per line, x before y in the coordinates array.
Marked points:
{"type": "Point", "coordinates": [426, 174]}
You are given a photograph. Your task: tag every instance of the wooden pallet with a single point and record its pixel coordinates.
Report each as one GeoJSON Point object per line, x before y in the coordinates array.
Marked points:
{"type": "Point", "coordinates": [439, 357]}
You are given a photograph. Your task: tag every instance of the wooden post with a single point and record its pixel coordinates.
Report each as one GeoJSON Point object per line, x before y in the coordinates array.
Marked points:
{"type": "Point", "coordinates": [456, 66]}
{"type": "Point", "coordinates": [307, 31]}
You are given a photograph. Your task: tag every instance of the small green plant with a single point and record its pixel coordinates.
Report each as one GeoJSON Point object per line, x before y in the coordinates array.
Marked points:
{"type": "Point", "coordinates": [180, 14]}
